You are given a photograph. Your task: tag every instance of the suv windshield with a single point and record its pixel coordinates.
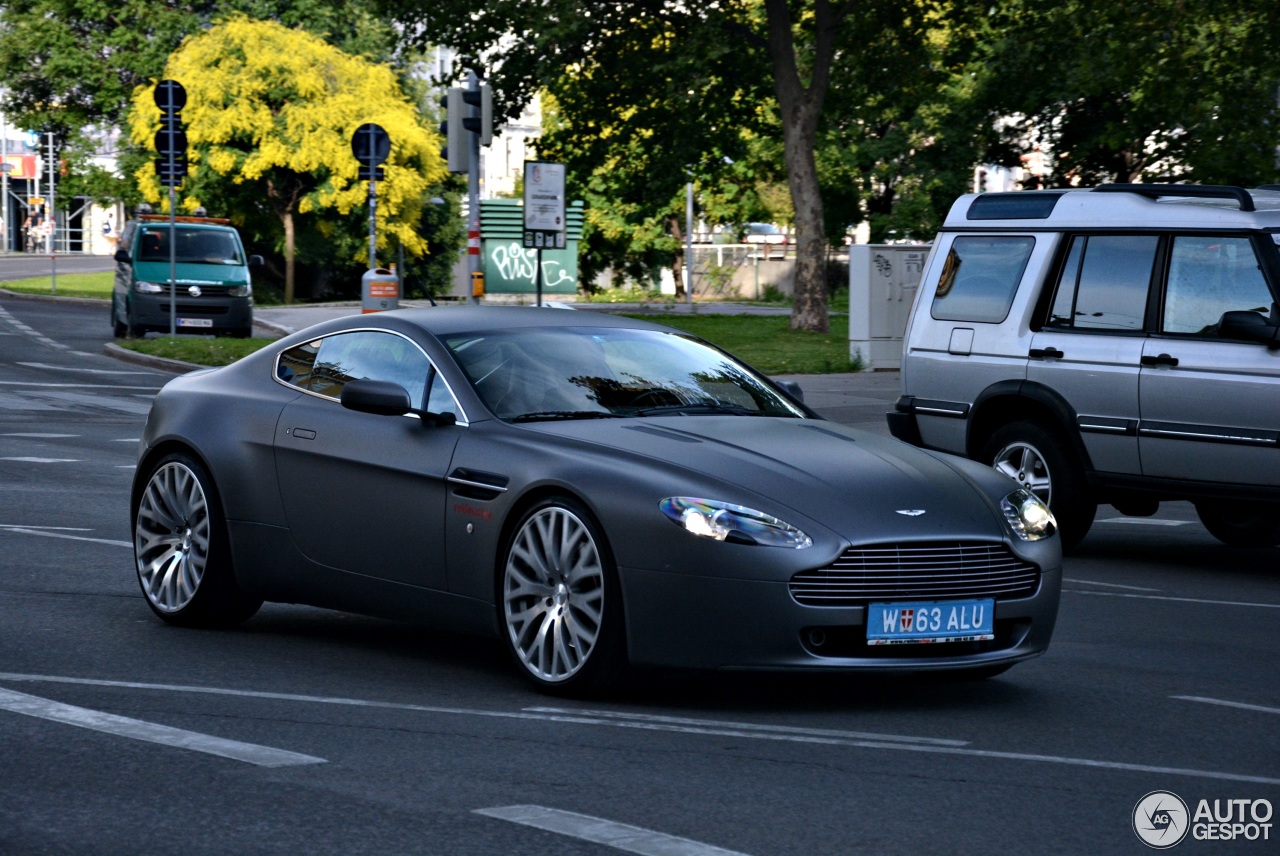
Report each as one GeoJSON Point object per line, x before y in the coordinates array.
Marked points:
{"type": "Point", "coordinates": [206, 246]}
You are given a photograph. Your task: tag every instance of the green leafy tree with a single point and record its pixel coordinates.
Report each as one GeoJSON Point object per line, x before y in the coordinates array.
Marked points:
{"type": "Point", "coordinates": [1161, 90]}
{"type": "Point", "coordinates": [269, 117]}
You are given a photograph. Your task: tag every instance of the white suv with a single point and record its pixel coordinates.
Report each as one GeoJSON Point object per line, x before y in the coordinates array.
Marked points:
{"type": "Point", "coordinates": [1116, 345]}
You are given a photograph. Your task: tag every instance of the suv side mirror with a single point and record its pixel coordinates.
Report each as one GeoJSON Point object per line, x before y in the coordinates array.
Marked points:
{"type": "Point", "coordinates": [121, 255]}
{"type": "Point", "coordinates": [255, 261]}
{"type": "Point", "coordinates": [1249, 326]}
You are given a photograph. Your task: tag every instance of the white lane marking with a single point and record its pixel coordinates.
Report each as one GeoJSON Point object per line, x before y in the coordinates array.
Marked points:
{"type": "Point", "coordinates": [1174, 599]}
{"type": "Point", "coordinates": [59, 528]}
{"type": "Point", "coordinates": [1108, 585]}
{"type": "Point", "coordinates": [619, 836]}
{"type": "Point", "coordinates": [87, 371]}
{"type": "Point", "coordinates": [721, 732]}
{"type": "Point", "coordinates": [36, 436]}
{"type": "Point", "coordinates": [22, 530]}
{"type": "Point", "coordinates": [30, 460]}
{"type": "Point", "coordinates": [1237, 704]}
{"type": "Point", "coordinates": [126, 440]}
{"type": "Point", "coordinates": [137, 729]}
{"type": "Point", "coordinates": [697, 726]}
{"type": "Point", "coordinates": [1144, 521]}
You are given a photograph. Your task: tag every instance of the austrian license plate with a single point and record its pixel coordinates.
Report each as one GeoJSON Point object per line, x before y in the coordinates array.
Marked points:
{"type": "Point", "coordinates": [920, 622]}
{"type": "Point", "coordinates": [195, 322]}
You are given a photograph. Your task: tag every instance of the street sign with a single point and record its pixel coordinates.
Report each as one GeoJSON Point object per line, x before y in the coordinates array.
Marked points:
{"type": "Point", "coordinates": [544, 205]}
{"type": "Point", "coordinates": [372, 146]}
{"type": "Point", "coordinates": [171, 96]}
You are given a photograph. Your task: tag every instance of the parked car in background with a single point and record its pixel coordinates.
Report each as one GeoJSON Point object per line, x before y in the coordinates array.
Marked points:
{"type": "Point", "coordinates": [769, 234]}
{"type": "Point", "coordinates": [211, 290]}
{"type": "Point", "coordinates": [593, 490]}
{"type": "Point", "coordinates": [1117, 345]}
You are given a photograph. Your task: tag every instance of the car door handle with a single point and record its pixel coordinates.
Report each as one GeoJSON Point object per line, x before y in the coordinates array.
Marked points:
{"type": "Point", "coordinates": [1160, 360]}
{"type": "Point", "coordinates": [1045, 353]}
{"type": "Point", "coordinates": [302, 433]}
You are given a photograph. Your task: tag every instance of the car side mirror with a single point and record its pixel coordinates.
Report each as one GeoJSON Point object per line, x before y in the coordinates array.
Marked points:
{"type": "Point", "coordinates": [384, 398]}
{"type": "Point", "coordinates": [792, 389]}
{"type": "Point", "coordinates": [1249, 326]}
{"type": "Point", "coordinates": [256, 261]}
{"type": "Point", "coordinates": [121, 255]}
{"type": "Point", "coordinates": [379, 397]}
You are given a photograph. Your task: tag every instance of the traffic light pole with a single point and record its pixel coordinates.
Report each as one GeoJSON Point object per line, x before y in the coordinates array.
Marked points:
{"type": "Point", "coordinates": [473, 192]}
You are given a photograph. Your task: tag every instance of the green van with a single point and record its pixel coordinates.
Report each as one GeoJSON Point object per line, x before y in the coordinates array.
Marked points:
{"type": "Point", "coordinates": [211, 291]}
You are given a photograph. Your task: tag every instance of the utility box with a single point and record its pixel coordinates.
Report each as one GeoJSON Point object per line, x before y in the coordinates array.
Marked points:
{"type": "Point", "coordinates": [379, 290]}
{"type": "Point", "coordinates": [883, 280]}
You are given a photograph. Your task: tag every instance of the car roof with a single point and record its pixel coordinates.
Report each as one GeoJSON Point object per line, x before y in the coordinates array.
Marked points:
{"type": "Point", "coordinates": [458, 320]}
{"type": "Point", "coordinates": [1119, 206]}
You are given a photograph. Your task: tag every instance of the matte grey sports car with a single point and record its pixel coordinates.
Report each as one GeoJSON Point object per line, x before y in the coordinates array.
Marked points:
{"type": "Point", "coordinates": [595, 491]}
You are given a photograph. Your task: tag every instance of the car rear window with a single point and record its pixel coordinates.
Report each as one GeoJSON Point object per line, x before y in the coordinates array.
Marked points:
{"type": "Point", "coordinates": [980, 277]}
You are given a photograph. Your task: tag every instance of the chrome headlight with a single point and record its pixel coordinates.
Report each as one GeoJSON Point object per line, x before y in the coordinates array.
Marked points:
{"type": "Point", "coordinates": [240, 291]}
{"type": "Point", "coordinates": [724, 521]}
{"type": "Point", "coordinates": [147, 287]}
{"type": "Point", "coordinates": [1028, 517]}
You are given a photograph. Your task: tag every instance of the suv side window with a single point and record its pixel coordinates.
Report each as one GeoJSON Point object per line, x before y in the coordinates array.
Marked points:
{"type": "Point", "coordinates": [980, 278]}
{"type": "Point", "coordinates": [1104, 283]}
{"type": "Point", "coordinates": [1210, 275]}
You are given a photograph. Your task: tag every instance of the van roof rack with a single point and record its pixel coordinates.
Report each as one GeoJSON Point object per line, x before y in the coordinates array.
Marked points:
{"type": "Point", "coordinates": [1198, 191]}
{"type": "Point", "coordinates": [184, 218]}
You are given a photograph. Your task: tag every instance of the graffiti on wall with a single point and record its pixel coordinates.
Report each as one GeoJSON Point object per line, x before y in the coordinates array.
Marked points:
{"type": "Point", "coordinates": [510, 267]}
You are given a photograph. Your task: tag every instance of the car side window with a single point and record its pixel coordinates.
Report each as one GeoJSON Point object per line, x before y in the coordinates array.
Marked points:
{"type": "Point", "coordinates": [980, 278]}
{"type": "Point", "coordinates": [1104, 283]}
{"type": "Point", "coordinates": [327, 365]}
{"type": "Point", "coordinates": [1210, 275]}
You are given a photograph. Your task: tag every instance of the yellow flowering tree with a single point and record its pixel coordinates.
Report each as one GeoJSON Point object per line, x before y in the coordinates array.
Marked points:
{"type": "Point", "coordinates": [271, 110]}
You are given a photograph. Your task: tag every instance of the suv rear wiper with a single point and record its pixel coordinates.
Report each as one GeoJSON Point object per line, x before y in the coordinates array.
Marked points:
{"type": "Point", "coordinates": [548, 415]}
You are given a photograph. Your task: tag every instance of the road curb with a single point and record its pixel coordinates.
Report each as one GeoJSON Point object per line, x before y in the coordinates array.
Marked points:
{"type": "Point", "coordinates": [55, 298]}
{"type": "Point", "coordinates": [163, 363]}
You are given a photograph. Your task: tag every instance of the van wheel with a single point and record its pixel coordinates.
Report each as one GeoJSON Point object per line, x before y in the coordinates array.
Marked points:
{"type": "Point", "coordinates": [118, 329]}
{"type": "Point", "coordinates": [1253, 525]}
{"type": "Point", "coordinates": [1036, 458]}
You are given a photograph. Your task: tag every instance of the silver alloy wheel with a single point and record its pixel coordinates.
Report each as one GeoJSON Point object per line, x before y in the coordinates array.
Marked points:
{"type": "Point", "coordinates": [553, 594]}
{"type": "Point", "coordinates": [171, 537]}
{"type": "Point", "coordinates": [1023, 463]}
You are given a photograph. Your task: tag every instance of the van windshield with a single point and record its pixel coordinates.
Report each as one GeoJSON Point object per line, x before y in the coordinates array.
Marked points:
{"type": "Point", "coordinates": [215, 247]}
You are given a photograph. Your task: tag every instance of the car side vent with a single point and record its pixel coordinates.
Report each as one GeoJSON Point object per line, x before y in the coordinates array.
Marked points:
{"type": "Point", "coordinates": [917, 571]}
{"type": "Point", "coordinates": [474, 484]}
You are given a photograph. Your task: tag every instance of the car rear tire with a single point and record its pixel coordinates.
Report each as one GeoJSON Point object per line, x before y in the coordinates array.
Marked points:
{"type": "Point", "coordinates": [1240, 525]}
{"type": "Point", "coordinates": [559, 604]}
{"type": "Point", "coordinates": [1039, 460]}
{"type": "Point", "coordinates": [182, 551]}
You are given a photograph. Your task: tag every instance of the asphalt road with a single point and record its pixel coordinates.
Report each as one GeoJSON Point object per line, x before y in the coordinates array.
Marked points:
{"type": "Point", "coordinates": [316, 732]}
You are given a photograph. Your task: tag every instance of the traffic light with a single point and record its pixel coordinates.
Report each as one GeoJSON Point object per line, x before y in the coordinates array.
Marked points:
{"type": "Point", "coordinates": [482, 124]}
{"type": "Point", "coordinates": [457, 148]}
{"type": "Point", "coordinates": [171, 139]}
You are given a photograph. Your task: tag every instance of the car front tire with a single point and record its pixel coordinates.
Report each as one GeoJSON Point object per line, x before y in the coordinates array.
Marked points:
{"type": "Point", "coordinates": [182, 551]}
{"type": "Point", "coordinates": [1241, 525]}
{"type": "Point", "coordinates": [1039, 460]}
{"type": "Point", "coordinates": [559, 604]}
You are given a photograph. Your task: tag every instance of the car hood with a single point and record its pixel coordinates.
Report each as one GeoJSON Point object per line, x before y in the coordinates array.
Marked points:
{"type": "Point", "coordinates": [855, 483]}
{"type": "Point", "coordinates": [193, 273]}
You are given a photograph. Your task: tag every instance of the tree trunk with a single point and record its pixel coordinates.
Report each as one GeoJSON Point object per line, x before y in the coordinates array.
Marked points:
{"type": "Point", "coordinates": [801, 108]}
{"type": "Point", "coordinates": [286, 217]}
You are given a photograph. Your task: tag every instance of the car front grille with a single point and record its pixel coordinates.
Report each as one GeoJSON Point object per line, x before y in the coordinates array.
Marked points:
{"type": "Point", "coordinates": [917, 571]}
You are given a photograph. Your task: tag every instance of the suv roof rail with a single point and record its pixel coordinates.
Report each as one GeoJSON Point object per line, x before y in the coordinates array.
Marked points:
{"type": "Point", "coordinates": [1200, 191]}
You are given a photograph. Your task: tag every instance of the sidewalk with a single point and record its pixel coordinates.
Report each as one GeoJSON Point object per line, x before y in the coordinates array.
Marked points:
{"type": "Point", "coordinates": [856, 399]}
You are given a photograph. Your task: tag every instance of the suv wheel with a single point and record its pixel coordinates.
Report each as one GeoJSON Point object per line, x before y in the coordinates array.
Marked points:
{"type": "Point", "coordinates": [1239, 525]}
{"type": "Point", "coordinates": [1036, 458]}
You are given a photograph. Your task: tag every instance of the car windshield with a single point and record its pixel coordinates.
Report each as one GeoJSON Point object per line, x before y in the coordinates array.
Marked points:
{"type": "Point", "coordinates": [207, 246]}
{"type": "Point", "coordinates": [590, 373]}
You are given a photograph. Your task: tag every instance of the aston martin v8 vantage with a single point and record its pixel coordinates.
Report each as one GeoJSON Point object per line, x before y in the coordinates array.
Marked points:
{"type": "Point", "coordinates": [595, 491]}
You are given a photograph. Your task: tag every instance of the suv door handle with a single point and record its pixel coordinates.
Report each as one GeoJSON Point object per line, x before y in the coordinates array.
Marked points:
{"type": "Point", "coordinates": [1044, 353]}
{"type": "Point", "coordinates": [1161, 360]}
